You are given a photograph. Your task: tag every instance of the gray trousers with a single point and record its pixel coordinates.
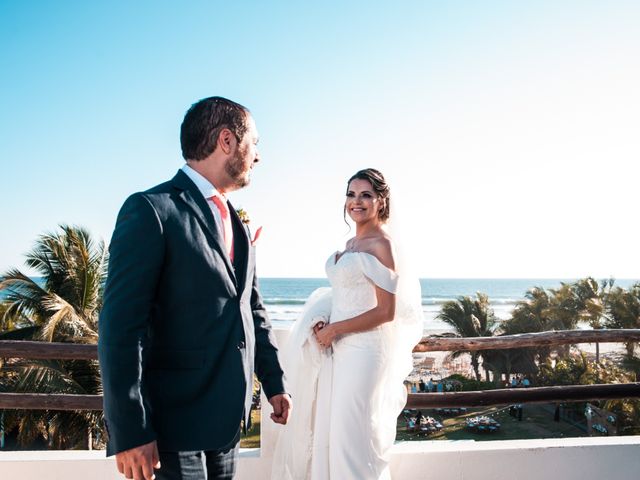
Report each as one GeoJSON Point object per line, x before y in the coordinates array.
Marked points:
{"type": "Point", "coordinates": [200, 465]}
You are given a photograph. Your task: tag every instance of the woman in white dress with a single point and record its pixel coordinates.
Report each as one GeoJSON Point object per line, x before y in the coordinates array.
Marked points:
{"type": "Point", "coordinates": [348, 354]}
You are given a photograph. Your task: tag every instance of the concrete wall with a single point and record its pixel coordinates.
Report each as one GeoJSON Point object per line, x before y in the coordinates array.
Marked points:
{"type": "Point", "coordinates": [567, 459]}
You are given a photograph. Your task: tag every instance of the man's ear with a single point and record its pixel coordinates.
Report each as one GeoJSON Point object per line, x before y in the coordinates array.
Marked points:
{"type": "Point", "coordinates": [226, 141]}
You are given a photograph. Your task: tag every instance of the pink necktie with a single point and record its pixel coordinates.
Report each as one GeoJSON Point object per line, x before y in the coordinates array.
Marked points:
{"type": "Point", "coordinates": [226, 224]}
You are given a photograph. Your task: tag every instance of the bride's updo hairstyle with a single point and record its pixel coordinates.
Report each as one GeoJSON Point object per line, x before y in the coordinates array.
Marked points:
{"type": "Point", "coordinates": [380, 188]}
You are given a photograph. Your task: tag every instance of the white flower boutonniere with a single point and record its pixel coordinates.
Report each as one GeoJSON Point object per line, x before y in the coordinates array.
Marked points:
{"type": "Point", "coordinates": [244, 218]}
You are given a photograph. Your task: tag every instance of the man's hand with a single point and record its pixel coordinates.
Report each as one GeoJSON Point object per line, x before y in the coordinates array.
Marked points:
{"type": "Point", "coordinates": [281, 404]}
{"type": "Point", "coordinates": [138, 463]}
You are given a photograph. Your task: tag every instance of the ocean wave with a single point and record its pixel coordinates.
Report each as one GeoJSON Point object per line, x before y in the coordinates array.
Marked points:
{"type": "Point", "coordinates": [425, 301]}
{"type": "Point", "coordinates": [284, 301]}
{"type": "Point", "coordinates": [492, 301]}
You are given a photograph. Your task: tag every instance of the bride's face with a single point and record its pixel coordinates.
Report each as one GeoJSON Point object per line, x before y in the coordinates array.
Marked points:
{"type": "Point", "coordinates": [362, 204]}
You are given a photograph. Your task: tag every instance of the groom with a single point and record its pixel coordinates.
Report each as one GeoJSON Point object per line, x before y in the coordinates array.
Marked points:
{"type": "Point", "coordinates": [183, 320]}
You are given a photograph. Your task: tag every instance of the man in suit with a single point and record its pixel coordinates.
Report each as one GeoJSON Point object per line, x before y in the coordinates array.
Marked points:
{"type": "Point", "coordinates": [183, 320]}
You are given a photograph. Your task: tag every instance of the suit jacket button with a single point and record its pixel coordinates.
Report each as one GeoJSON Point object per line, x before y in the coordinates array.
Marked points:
{"type": "Point", "coordinates": [241, 345]}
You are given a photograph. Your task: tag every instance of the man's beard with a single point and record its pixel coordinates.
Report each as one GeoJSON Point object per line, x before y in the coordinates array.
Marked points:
{"type": "Point", "coordinates": [235, 169]}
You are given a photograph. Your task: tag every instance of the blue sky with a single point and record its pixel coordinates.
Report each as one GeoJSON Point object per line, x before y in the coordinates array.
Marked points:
{"type": "Point", "coordinates": [508, 130]}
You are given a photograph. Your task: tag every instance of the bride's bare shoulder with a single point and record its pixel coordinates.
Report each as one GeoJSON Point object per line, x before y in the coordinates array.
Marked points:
{"type": "Point", "coordinates": [382, 248]}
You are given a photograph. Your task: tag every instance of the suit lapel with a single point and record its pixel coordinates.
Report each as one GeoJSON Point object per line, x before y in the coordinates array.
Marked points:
{"type": "Point", "coordinates": [192, 197]}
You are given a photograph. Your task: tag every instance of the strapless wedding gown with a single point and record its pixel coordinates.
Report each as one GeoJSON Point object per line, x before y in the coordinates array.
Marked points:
{"type": "Point", "coordinates": [346, 399]}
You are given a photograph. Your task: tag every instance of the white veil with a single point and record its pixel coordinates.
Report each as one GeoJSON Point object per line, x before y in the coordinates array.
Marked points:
{"type": "Point", "coordinates": [406, 329]}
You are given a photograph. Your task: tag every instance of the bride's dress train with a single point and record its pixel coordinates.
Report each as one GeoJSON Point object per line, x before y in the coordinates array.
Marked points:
{"type": "Point", "coordinates": [347, 399]}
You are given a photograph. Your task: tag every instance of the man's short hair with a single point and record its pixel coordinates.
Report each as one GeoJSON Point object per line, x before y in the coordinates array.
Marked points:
{"type": "Point", "coordinates": [203, 123]}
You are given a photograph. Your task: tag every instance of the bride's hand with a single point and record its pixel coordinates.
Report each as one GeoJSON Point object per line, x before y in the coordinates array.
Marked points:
{"type": "Point", "coordinates": [325, 335]}
{"type": "Point", "coordinates": [317, 327]}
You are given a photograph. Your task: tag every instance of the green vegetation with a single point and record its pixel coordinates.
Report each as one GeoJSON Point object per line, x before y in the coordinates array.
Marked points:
{"type": "Point", "coordinates": [251, 439]}
{"type": "Point", "coordinates": [63, 307]}
{"type": "Point", "coordinates": [578, 370]}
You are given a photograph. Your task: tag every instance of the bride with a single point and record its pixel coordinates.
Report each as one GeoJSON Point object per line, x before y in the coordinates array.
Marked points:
{"type": "Point", "coordinates": [348, 354]}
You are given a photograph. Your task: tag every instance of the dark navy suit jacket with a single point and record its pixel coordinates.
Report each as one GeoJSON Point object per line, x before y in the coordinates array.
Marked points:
{"type": "Point", "coordinates": [181, 325]}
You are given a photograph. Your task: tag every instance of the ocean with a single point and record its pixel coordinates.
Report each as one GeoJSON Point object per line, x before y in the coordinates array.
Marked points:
{"type": "Point", "coordinates": [285, 297]}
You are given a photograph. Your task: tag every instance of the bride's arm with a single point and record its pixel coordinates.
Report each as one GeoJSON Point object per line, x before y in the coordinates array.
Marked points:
{"type": "Point", "coordinates": [383, 312]}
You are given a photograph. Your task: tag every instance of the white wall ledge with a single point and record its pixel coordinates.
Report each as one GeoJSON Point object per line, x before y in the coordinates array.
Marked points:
{"type": "Point", "coordinates": [548, 459]}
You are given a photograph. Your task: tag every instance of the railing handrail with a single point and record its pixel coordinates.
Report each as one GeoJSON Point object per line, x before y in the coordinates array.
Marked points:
{"type": "Point", "coordinates": [75, 351]}
{"type": "Point", "coordinates": [479, 398]}
{"type": "Point", "coordinates": [33, 350]}
{"type": "Point", "coordinates": [49, 401]}
{"type": "Point", "coordinates": [506, 396]}
{"type": "Point", "coordinates": [70, 351]}
{"type": "Point", "coordinates": [555, 337]}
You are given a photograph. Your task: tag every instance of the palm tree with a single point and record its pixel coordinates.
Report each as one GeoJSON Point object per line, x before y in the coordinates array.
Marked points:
{"type": "Point", "coordinates": [533, 314]}
{"type": "Point", "coordinates": [516, 360]}
{"type": "Point", "coordinates": [470, 317]}
{"type": "Point", "coordinates": [623, 311]}
{"type": "Point", "coordinates": [66, 302]}
{"type": "Point", "coordinates": [564, 308]}
{"type": "Point", "coordinates": [543, 310]}
{"type": "Point", "coordinates": [590, 300]}
{"type": "Point", "coordinates": [62, 305]}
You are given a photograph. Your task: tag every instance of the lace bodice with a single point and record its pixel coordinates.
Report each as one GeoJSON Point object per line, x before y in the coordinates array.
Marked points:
{"type": "Point", "coordinates": [353, 278]}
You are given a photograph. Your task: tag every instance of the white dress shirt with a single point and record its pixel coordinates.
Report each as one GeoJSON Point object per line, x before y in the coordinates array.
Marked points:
{"type": "Point", "coordinates": [208, 191]}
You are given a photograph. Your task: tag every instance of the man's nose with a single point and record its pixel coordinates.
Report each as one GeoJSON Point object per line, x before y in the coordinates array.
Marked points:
{"type": "Point", "coordinates": [258, 157]}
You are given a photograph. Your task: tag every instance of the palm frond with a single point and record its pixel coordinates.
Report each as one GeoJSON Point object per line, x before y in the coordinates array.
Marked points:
{"type": "Point", "coordinates": [46, 376]}
{"type": "Point", "coordinates": [22, 295]}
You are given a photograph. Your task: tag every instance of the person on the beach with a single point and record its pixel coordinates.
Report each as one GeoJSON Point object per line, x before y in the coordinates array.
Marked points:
{"type": "Point", "coordinates": [349, 353]}
{"type": "Point", "coordinates": [183, 321]}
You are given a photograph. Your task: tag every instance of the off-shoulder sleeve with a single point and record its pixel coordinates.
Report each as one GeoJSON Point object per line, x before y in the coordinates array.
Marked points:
{"type": "Point", "coordinates": [382, 276]}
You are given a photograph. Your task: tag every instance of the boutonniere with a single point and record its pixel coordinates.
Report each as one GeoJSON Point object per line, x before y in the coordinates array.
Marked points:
{"type": "Point", "coordinates": [244, 218]}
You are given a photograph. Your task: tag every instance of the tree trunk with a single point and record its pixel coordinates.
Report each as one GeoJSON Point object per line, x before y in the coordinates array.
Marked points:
{"type": "Point", "coordinates": [474, 364]}
{"type": "Point", "coordinates": [630, 346]}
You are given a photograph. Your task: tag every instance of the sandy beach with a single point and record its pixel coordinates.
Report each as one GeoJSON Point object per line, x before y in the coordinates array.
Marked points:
{"type": "Point", "coordinates": [438, 365]}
